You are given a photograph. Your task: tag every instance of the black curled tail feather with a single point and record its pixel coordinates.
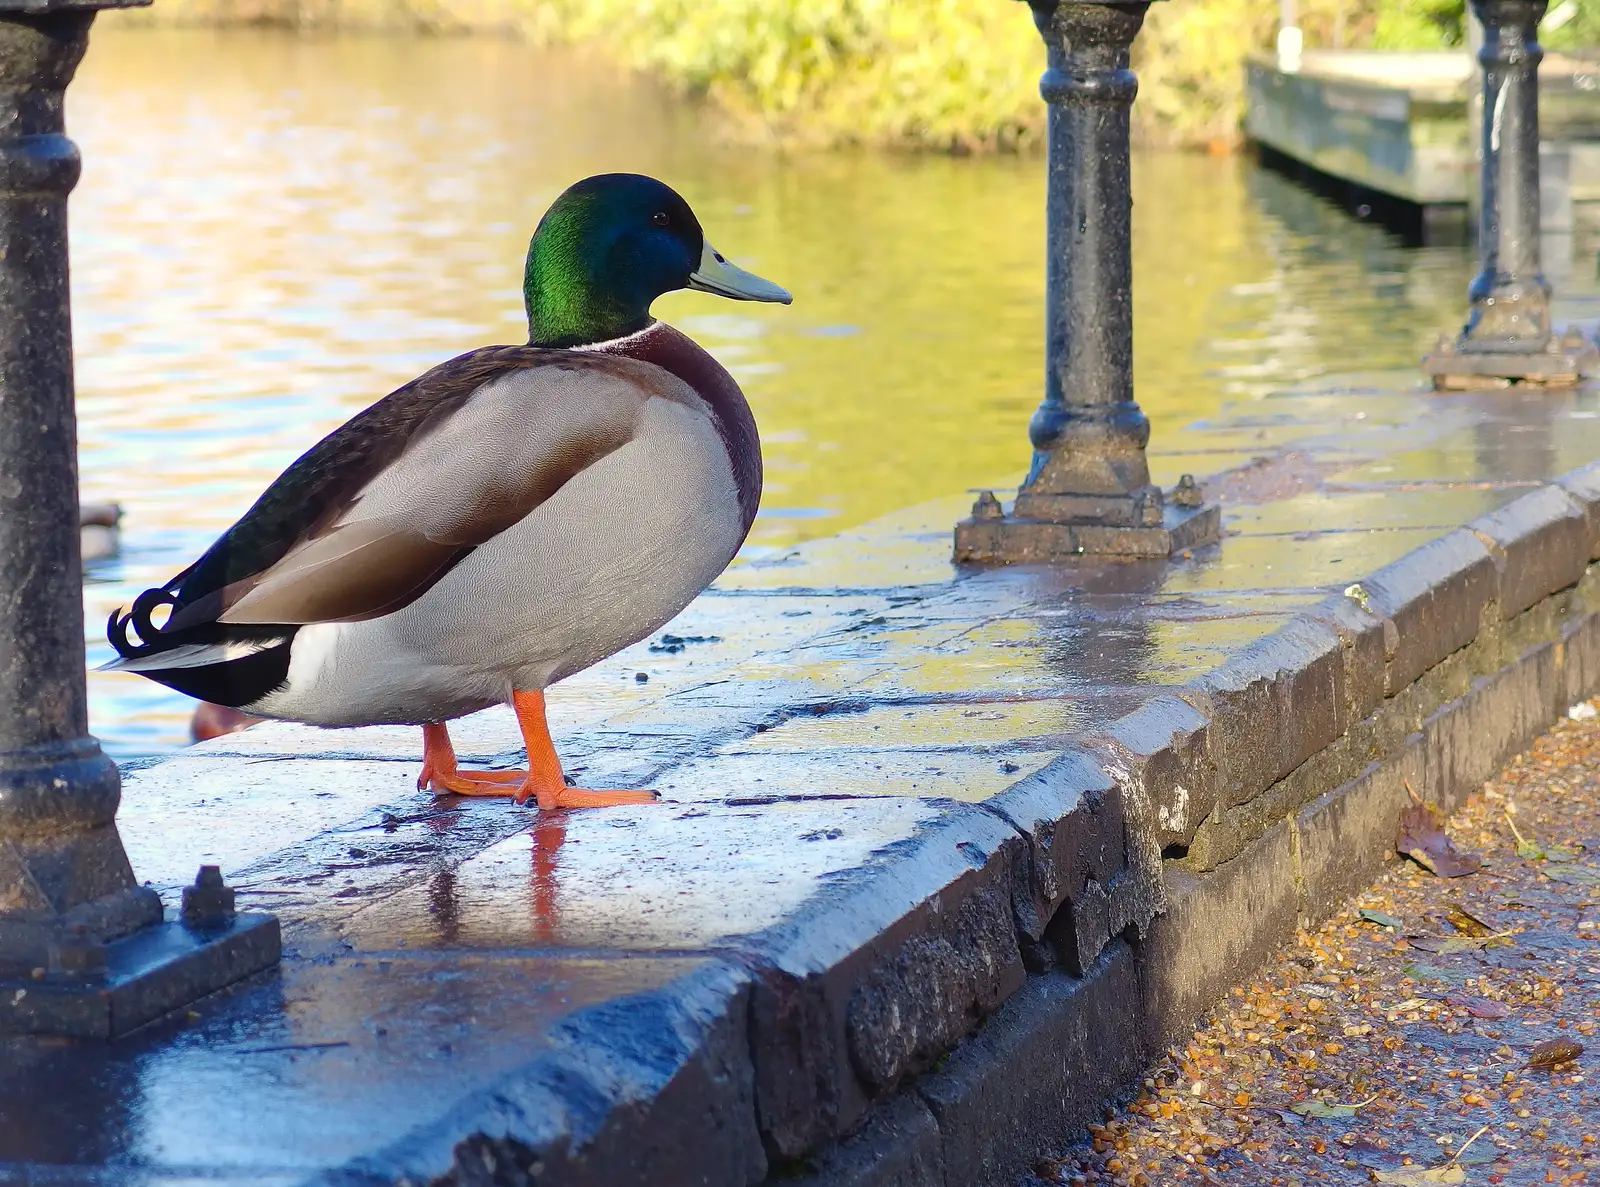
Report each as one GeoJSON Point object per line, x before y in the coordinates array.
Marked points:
{"type": "Point", "coordinates": [149, 637]}
{"type": "Point", "coordinates": [240, 676]}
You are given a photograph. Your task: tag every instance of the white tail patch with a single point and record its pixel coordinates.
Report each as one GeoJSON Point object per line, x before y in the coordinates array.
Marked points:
{"type": "Point", "coordinates": [189, 655]}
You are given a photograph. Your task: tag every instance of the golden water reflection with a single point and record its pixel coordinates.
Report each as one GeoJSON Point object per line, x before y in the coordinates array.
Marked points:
{"type": "Point", "coordinates": [271, 232]}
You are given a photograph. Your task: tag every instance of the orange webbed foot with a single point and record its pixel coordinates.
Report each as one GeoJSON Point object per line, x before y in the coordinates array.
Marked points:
{"type": "Point", "coordinates": [543, 781]}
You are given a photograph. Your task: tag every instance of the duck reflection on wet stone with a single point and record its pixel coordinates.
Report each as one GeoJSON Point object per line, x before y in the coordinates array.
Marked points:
{"type": "Point", "coordinates": [543, 877]}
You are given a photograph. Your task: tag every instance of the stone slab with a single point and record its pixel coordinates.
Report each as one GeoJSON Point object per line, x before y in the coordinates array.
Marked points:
{"type": "Point", "coordinates": [651, 879]}
{"type": "Point", "coordinates": [1539, 543]}
{"type": "Point", "coordinates": [1434, 598]}
{"type": "Point", "coordinates": [1216, 929]}
{"type": "Point", "coordinates": [1071, 814]}
{"type": "Point", "coordinates": [1273, 705]}
{"type": "Point", "coordinates": [317, 1069]}
{"type": "Point", "coordinates": [973, 776]}
{"type": "Point", "coordinates": [881, 973]}
{"type": "Point", "coordinates": [1583, 486]}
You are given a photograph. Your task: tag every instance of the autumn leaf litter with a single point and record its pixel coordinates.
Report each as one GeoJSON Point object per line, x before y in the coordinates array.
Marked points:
{"type": "Point", "coordinates": [1440, 1030]}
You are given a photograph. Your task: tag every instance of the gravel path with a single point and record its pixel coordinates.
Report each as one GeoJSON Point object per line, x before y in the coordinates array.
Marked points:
{"type": "Point", "coordinates": [1371, 1054]}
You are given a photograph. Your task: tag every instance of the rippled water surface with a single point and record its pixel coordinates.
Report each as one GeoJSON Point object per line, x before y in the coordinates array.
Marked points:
{"type": "Point", "coordinates": [273, 232]}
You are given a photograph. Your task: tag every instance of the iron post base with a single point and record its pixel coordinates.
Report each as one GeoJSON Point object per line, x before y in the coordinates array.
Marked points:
{"type": "Point", "coordinates": [1564, 360]}
{"type": "Point", "coordinates": [993, 537]}
{"type": "Point", "coordinates": [119, 962]}
{"type": "Point", "coordinates": [146, 974]}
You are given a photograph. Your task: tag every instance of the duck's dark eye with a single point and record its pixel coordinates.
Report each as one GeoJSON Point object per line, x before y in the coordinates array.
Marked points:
{"type": "Point", "coordinates": [660, 218]}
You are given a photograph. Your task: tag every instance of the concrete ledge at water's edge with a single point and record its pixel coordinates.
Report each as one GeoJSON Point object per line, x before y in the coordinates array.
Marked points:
{"type": "Point", "coordinates": [946, 855]}
{"type": "Point", "coordinates": [1396, 123]}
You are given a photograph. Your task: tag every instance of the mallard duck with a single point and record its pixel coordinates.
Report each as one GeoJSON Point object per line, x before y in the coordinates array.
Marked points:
{"type": "Point", "coordinates": [511, 517]}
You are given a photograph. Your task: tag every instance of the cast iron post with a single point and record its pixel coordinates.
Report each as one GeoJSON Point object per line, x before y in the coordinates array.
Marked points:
{"type": "Point", "coordinates": [1508, 335]}
{"type": "Point", "coordinates": [84, 948]}
{"type": "Point", "coordinates": [1089, 489]}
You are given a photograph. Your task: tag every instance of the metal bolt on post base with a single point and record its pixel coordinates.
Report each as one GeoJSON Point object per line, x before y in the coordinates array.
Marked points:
{"type": "Point", "coordinates": [1089, 489]}
{"type": "Point", "coordinates": [84, 949]}
{"type": "Point", "coordinates": [100, 983]}
{"type": "Point", "coordinates": [1508, 336]}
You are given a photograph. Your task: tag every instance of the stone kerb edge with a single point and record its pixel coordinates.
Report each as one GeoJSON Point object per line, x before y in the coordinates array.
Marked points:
{"type": "Point", "coordinates": [1272, 706]}
{"type": "Point", "coordinates": [651, 1088]}
{"type": "Point", "coordinates": [1583, 486]}
{"type": "Point", "coordinates": [881, 974]}
{"type": "Point", "coordinates": [1292, 695]}
{"type": "Point", "coordinates": [1539, 543]}
{"type": "Point", "coordinates": [1216, 928]}
{"type": "Point", "coordinates": [1071, 815]}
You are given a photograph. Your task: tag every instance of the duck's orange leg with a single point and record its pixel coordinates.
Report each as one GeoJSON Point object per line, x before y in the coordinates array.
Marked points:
{"type": "Point", "coordinates": [545, 782]}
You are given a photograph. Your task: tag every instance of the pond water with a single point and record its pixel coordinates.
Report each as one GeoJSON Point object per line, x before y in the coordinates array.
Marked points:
{"type": "Point", "coordinates": [272, 232]}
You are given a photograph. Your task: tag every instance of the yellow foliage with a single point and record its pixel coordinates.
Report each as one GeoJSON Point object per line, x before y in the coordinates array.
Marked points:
{"type": "Point", "coordinates": [947, 74]}
{"type": "Point", "coordinates": [1190, 59]}
{"type": "Point", "coordinates": [950, 75]}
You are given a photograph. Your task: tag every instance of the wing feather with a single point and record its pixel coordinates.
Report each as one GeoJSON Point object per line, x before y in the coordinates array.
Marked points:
{"type": "Point", "coordinates": [471, 464]}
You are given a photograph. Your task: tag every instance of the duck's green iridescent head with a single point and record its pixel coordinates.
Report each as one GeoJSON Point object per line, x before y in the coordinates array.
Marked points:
{"type": "Point", "coordinates": [607, 248]}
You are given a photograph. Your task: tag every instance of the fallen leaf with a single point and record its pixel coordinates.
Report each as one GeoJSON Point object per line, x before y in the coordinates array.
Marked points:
{"type": "Point", "coordinates": [1533, 849]}
{"type": "Point", "coordinates": [1324, 1111]}
{"type": "Point", "coordinates": [1467, 923]}
{"type": "Point", "coordinates": [1553, 1052]}
{"type": "Point", "coordinates": [1480, 1007]}
{"type": "Point", "coordinates": [1410, 1176]}
{"type": "Point", "coordinates": [1454, 945]}
{"type": "Point", "coordinates": [1423, 840]}
{"type": "Point", "coordinates": [1381, 919]}
{"type": "Point", "coordinates": [1449, 1172]}
{"type": "Point", "coordinates": [1573, 874]}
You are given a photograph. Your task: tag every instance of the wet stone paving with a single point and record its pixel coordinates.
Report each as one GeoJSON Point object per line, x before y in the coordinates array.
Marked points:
{"type": "Point", "coordinates": [834, 732]}
{"type": "Point", "coordinates": [1441, 1030]}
